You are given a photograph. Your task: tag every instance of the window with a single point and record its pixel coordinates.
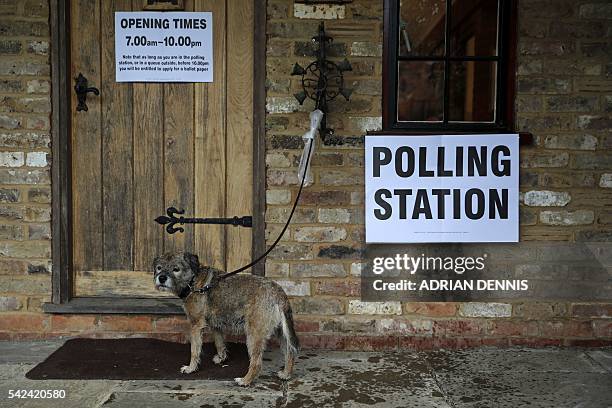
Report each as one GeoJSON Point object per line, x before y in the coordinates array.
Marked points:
{"type": "Point", "coordinates": [448, 65]}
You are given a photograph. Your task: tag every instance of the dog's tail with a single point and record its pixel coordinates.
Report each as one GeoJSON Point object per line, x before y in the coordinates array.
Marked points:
{"type": "Point", "coordinates": [293, 344]}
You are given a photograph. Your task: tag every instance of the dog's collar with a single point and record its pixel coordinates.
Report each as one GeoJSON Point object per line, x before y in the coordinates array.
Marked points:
{"type": "Point", "coordinates": [185, 292]}
{"type": "Point", "coordinates": [189, 289]}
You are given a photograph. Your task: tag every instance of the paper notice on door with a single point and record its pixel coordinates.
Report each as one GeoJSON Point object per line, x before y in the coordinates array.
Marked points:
{"type": "Point", "coordinates": [163, 47]}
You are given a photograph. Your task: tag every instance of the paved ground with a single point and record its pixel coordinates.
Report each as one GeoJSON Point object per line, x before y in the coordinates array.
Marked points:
{"type": "Point", "coordinates": [515, 377]}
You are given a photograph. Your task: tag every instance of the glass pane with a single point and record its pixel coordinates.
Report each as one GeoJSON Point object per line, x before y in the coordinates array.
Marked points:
{"type": "Point", "coordinates": [474, 28]}
{"type": "Point", "coordinates": [472, 91]}
{"type": "Point", "coordinates": [422, 27]}
{"type": "Point", "coordinates": [420, 95]}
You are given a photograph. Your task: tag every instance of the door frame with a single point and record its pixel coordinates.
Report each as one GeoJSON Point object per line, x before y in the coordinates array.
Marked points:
{"type": "Point", "coordinates": [62, 296]}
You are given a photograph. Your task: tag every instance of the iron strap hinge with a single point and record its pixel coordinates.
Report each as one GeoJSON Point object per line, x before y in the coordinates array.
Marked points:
{"type": "Point", "coordinates": [171, 220]}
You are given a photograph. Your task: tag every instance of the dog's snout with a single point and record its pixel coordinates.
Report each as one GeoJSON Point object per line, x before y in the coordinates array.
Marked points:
{"type": "Point", "coordinates": [162, 279]}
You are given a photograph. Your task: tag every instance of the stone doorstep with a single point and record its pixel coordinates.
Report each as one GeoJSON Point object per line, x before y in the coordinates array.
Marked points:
{"type": "Point", "coordinates": [209, 399]}
{"type": "Point", "coordinates": [432, 379]}
{"type": "Point", "coordinates": [27, 352]}
{"type": "Point", "coordinates": [601, 357]}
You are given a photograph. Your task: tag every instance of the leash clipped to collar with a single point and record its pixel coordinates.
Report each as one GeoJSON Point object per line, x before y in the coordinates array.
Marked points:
{"type": "Point", "coordinates": [203, 289]}
{"type": "Point", "coordinates": [304, 175]}
{"type": "Point", "coordinates": [190, 289]}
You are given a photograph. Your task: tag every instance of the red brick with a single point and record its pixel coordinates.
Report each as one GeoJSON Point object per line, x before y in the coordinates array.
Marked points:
{"type": "Point", "coordinates": [469, 342]}
{"type": "Point", "coordinates": [343, 324]}
{"type": "Point", "coordinates": [73, 323]}
{"type": "Point", "coordinates": [13, 267]}
{"type": "Point", "coordinates": [436, 309]}
{"type": "Point", "coordinates": [592, 310]}
{"type": "Point", "coordinates": [338, 288]}
{"type": "Point", "coordinates": [416, 343]}
{"type": "Point", "coordinates": [450, 343]}
{"type": "Point", "coordinates": [23, 322]}
{"type": "Point", "coordinates": [456, 328]}
{"type": "Point", "coordinates": [324, 342]}
{"type": "Point", "coordinates": [371, 343]}
{"type": "Point", "coordinates": [512, 328]}
{"type": "Point", "coordinates": [602, 328]}
{"type": "Point", "coordinates": [453, 343]}
{"type": "Point", "coordinates": [118, 323]}
{"type": "Point", "coordinates": [497, 342]}
{"type": "Point", "coordinates": [566, 328]}
{"type": "Point", "coordinates": [588, 342]}
{"type": "Point", "coordinates": [302, 326]}
{"type": "Point", "coordinates": [535, 342]}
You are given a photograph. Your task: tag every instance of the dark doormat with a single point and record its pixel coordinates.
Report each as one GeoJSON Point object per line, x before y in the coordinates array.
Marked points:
{"type": "Point", "coordinates": [136, 359]}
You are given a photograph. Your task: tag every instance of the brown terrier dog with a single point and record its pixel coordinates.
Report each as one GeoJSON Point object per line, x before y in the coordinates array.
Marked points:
{"type": "Point", "coordinates": [241, 304]}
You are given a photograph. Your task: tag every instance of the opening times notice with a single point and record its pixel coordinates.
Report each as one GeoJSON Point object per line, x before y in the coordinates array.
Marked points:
{"type": "Point", "coordinates": [163, 47]}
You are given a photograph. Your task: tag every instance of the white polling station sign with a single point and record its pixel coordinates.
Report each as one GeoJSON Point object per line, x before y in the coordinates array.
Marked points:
{"type": "Point", "coordinates": [444, 188]}
{"type": "Point", "coordinates": [163, 47]}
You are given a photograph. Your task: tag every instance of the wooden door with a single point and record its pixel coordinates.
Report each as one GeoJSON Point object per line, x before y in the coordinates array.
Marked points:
{"type": "Point", "coordinates": [142, 147]}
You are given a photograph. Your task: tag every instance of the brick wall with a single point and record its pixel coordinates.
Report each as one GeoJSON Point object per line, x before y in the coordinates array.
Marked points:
{"type": "Point", "coordinates": [564, 98]}
{"type": "Point", "coordinates": [25, 195]}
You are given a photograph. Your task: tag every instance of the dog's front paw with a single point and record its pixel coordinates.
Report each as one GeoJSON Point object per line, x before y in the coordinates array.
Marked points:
{"type": "Point", "coordinates": [188, 369]}
{"type": "Point", "coordinates": [242, 382]}
{"type": "Point", "coordinates": [218, 359]}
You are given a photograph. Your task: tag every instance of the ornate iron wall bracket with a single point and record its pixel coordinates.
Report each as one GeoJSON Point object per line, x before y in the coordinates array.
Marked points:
{"type": "Point", "coordinates": [171, 220]}
{"type": "Point", "coordinates": [322, 79]}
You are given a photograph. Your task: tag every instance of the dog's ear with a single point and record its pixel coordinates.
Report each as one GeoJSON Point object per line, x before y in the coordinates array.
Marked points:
{"type": "Point", "coordinates": [193, 261]}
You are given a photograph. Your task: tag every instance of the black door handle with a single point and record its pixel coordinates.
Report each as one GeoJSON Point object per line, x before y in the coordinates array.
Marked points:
{"type": "Point", "coordinates": [81, 88]}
